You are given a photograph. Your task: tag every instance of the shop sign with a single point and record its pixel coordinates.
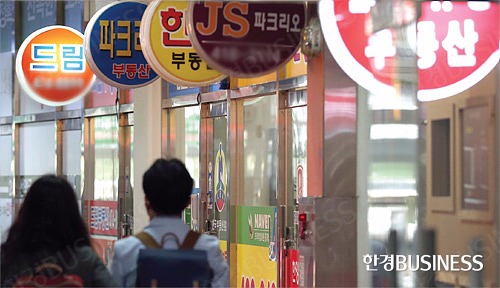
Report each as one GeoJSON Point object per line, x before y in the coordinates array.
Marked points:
{"type": "Point", "coordinates": [245, 39]}
{"type": "Point", "coordinates": [220, 172]}
{"type": "Point", "coordinates": [458, 44]}
{"type": "Point", "coordinates": [256, 246]}
{"type": "Point", "coordinates": [113, 48]}
{"type": "Point", "coordinates": [167, 48]}
{"type": "Point", "coordinates": [297, 66]}
{"type": "Point", "coordinates": [51, 66]}
{"type": "Point", "coordinates": [259, 222]}
{"type": "Point", "coordinates": [104, 218]}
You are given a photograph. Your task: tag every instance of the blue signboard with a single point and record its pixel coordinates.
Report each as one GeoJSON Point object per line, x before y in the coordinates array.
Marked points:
{"type": "Point", "coordinates": [176, 90]}
{"type": "Point", "coordinates": [112, 46]}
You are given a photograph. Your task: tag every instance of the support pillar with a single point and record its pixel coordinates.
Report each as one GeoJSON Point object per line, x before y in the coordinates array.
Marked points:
{"type": "Point", "coordinates": [147, 143]}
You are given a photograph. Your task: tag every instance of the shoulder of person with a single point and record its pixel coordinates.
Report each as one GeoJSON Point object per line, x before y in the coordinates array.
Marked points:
{"type": "Point", "coordinates": [126, 244]}
{"type": "Point", "coordinates": [208, 241]}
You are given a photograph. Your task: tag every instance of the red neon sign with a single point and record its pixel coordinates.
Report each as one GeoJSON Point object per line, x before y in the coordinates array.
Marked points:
{"type": "Point", "coordinates": [457, 44]}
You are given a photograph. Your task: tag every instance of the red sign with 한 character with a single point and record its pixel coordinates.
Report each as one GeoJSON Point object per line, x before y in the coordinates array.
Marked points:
{"type": "Point", "coordinates": [457, 44]}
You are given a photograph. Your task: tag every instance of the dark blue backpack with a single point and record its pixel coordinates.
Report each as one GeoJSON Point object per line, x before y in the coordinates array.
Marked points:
{"type": "Point", "coordinates": [183, 267]}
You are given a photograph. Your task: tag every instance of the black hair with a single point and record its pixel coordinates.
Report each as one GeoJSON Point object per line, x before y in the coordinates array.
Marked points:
{"type": "Point", "coordinates": [167, 185]}
{"type": "Point", "coordinates": [49, 219]}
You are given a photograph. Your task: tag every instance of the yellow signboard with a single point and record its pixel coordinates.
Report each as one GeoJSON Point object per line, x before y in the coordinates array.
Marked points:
{"type": "Point", "coordinates": [297, 66]}
{"type": "Point", "coordinates": [167, 48]}
{"type": "Point", "coordinates": [255, 269]}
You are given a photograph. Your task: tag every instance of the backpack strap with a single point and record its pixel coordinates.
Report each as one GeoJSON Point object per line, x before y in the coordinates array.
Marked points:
{"type": "Point", "coordinates": [190, 240]}
{"type": "Point", "coordinates": [147, 240]}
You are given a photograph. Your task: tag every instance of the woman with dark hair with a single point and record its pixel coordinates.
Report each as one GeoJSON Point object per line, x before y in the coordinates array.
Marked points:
{"type": "Point", "coordinates": [48, 240]}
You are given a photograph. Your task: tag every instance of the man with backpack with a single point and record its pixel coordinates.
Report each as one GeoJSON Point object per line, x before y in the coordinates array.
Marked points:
{"type": "Point", "coordinates": [167, 187]}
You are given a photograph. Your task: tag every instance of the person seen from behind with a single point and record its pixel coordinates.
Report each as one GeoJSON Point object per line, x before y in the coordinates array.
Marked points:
{"type": "Point", "coordinates": [48, 241]}
{"type": "Point", "coordinates": [167, 187]}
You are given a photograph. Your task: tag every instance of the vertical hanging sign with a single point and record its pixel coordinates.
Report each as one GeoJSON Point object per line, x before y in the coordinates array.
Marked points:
{"type": "Point", "coordinates": [113, 48]}
{"type": "Point", "coordinates": [51, 67]}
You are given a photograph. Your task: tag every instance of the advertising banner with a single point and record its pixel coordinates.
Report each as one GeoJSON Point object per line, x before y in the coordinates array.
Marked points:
{"type": "Point", "coordinates": [103, 218]}
{"type": "Point", "coordinates": [167, 47]}
{"type": "Point", "coordinates": [257, 246]}
{"type": "Point", "coordinates": [113, 48]}
{"type": "Point", "coordinates": [51, 66]}
{"type": "Point", "coordinates": [297, 66]}
{"type": "Point", "coordinates": [254, 268]}
{"type": "Point", "coordinates": [456, 43]}
{"type": "Point", "coordinates": [245, 39]}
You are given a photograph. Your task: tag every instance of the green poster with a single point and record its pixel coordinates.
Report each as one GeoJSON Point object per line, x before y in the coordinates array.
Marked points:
{"type": "Point", "coordinates": [256, 225]}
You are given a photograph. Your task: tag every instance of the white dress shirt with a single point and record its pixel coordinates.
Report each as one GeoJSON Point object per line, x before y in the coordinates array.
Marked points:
{"type": "Point", "coordinates": [126, 251]}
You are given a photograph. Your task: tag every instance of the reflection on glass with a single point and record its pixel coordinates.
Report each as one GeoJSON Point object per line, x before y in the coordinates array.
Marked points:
{"type": "Point", "coordinates": [6, 84]}
{"type": "Point", "coordinates": [192, 143]}
{"type": "Point", "coordinates": [474, 126]}
{"type": "Point", "coordinates": [106, 158]}
{"type": "Point", "coordinates": [299, 159]}
{"type": "Point", "coordinates": [6, 209]}
{"type": "Point", "coordinates": [71, 156]}
{"type": "Point", "coordinates": [185, 132]}
{"type": "Point", "coordinates": [37, 149]}
{"type": "Point", "coordinates": [261, 151]}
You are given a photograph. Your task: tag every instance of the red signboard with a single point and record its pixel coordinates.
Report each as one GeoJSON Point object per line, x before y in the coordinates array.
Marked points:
{"type": "Point", "coordinates": [457, 44]}
{"type": "Point", "coordinates": [245, 39]}
{"type": "Point", "coordinates": [104, 218]}
{"type": "Point", "coordinates": [51, 67]}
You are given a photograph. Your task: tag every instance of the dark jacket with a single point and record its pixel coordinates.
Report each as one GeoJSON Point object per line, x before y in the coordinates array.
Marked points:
{"type": "Point", "coordinates": [82, 261]}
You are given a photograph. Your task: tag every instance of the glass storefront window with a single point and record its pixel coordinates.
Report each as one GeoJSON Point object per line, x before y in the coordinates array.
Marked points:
{"type": "Point", "coordinates": [260, 150]}
{"type": "Point", "coordinates": [35, 15]}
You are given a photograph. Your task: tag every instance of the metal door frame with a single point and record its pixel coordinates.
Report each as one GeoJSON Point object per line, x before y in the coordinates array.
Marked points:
{"type": "Point", "coordinates": [288, 99]}
{"type": "Point", "coordinates": [124, 119]}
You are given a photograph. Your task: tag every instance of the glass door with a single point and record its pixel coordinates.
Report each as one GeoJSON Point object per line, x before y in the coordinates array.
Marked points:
{"type": "Point", "coordinates": [126, 176]}
{"type": "Point", "coordinates": [181, 140]}
{"type": "Point", "coordinates": [293, 179]}
{"type": "Point", "coordinates": [214, 179]}
{"type": "Point", "coordinates": [6, 199]}
{"type": "Point", "coordinates": [256, 190]}
{"type": "Point", "coordinates": [101, 182]}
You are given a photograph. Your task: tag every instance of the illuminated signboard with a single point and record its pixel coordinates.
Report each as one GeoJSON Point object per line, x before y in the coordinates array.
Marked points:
{"type": "Point", "coordinates": [457, 44]}
{"type": "Point", "coordinates": [113, 48]}
{"type": "Point", "coordinates": [51, 67]}
{"type": "Point", "coordinates": [246, 39]}
{"type": "Point", "coordinates": [167, 47]}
